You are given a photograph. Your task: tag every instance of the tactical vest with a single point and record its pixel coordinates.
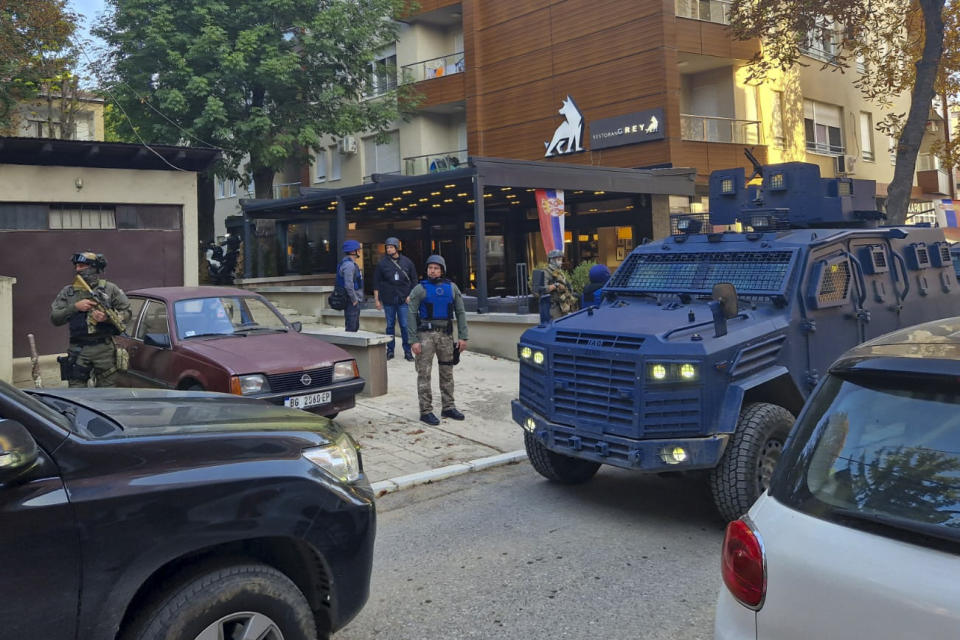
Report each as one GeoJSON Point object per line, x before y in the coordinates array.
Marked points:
{"type": "Point", "coordinates": [438, 303]}
{"type": "Point", "coordinates": [357, 277]}
{"type": "Point", "coordinates": [78, 323]}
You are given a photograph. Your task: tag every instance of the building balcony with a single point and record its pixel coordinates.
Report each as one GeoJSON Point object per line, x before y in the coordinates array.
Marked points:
{"type": "Point", "coordinates": [931, 176]}
{"type": "Point", "coordinates": [434, 162]}
{"type": "Point", "coordinates": [433, 68]}
{"type": "Point", "coordinates": [717, 11]}
{"type": "Point", "coordinates": [716, 129]}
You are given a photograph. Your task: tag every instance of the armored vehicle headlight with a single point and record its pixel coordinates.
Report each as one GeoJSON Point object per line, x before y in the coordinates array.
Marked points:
{"type": "Point", "coordinates": [658, 372]}
{"type": "Point", "coordinates": [538, 357]}
{"type": "Point", "coordinates": [526, 353]}
{"type": "Point", "coordinates": [688, 371]}
{"type": "Point", "coordinates": [673, 454]}
{"type": "Point", "coordinates": [339, 459]}
{"type": "Point", "coordinates": [530, 425]}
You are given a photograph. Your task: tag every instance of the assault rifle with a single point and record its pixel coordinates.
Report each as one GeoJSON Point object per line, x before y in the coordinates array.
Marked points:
{"type": "Point", "coordinates": [102, 304]}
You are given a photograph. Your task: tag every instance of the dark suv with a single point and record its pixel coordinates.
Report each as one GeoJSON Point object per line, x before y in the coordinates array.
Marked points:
{"type": "Point", "coordinates": [146, 514]}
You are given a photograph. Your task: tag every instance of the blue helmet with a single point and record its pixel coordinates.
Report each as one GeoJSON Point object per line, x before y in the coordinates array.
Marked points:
{"type": "Point", "coordinates": [599, 273]}
{"type": "Point", "coordinates": [350, 246]}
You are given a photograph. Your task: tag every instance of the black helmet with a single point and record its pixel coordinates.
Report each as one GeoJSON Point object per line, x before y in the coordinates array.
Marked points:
{"type": "Point", "coordinates": [436, 259]}
{"type": "Point", "coordinates": [95, 260]}
{"type": "Point", "coordinates": [394, 241]}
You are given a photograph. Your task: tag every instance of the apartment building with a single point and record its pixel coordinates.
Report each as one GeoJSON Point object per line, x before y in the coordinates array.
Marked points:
{"type": "Point", "coordinates": [599, 83]}
{"type": "Point", "coordinates": [50, 116]}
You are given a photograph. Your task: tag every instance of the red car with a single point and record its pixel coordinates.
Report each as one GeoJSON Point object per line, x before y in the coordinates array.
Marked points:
{"type": "Point", "coordinates": [233, 341]}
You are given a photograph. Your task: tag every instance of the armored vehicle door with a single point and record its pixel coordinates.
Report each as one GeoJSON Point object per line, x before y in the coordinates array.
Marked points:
{"type": "Point", "coordinates": [873, 258]}
{"type": "Point", "coordinates": [833, 295]}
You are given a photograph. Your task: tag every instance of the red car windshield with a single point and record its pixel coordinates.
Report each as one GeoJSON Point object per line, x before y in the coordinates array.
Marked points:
{"type": "Point", "coordinates": [225, 315]}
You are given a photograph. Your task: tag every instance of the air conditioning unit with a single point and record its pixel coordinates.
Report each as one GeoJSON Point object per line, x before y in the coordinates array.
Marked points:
{"type": "Point", "coordinates": [348, 144]}
{"type": "Point", "coordinates": [845, 164]}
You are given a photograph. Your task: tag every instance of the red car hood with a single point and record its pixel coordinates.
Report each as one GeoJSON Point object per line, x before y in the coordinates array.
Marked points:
{"type": "Point", "coordinates": [266, 352]}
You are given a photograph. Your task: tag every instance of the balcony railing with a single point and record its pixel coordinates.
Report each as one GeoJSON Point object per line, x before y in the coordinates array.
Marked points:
{"type": "Point", "coordinates": [825, 148]}
{"type": "Point", "coordinates": [929, 162]}
{"type": "Point", "coordinates": [715, 129]}
{"type": "Point", "coordinates": [433, 68]}
{"type": "Point", "coordinates": [707, 10]}
{"type": "Point", "coordinates": [434, 162]}
{"type": "Point", "coordinates": [286, 190]}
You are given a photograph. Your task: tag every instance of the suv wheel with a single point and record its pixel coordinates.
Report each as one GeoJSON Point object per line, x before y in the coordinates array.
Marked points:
{"type": "Point", "coordinates": [752, 454]}
{"type": "Point", "coordinates": [555, 466]}
{"type": "Point", "coordinates": [244, 600]}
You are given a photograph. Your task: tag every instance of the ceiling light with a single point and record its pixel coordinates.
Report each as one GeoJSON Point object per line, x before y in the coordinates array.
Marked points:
{"type": "Point", "coordinates": [449, 186]}
{"type": "Point", "coordinates": [434, 193]}
{"type": "Point", "coordinates": [406, 192]}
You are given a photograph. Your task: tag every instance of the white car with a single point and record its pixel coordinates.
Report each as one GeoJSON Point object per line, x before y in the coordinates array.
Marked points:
{"type": "Point", "coordinates": [858, 535]}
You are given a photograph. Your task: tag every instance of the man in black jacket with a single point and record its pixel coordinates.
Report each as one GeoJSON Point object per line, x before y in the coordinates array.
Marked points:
{"type": "Point", "coordinates": [393, 279]}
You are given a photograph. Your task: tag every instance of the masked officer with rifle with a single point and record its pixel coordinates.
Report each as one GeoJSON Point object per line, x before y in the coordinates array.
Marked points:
{"type": "Point", "coordinates": [432, 306]}
{"type": "Point", "coordinates": [562, 300]}
{"type": "Point", "coordinates": [96, 310]}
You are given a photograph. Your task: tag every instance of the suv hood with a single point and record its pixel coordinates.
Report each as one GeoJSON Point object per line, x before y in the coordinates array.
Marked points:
{"type": "Point", "coordinates": [266, 353]}
{"type": "Point", "coordinates": [152, 412]}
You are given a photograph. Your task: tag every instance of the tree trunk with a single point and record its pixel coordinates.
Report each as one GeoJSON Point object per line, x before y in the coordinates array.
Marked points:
{"type": "Point", "coordinates": [263, 182]}
{"type": "Point", "coordinates": [921, 98]}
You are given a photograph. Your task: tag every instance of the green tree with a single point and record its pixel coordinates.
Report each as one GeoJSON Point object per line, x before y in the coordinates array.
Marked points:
{"type": "Point", "coordinates": [34, 47]}
{"type": "Point", "coordinates": [266, 78]}
{"type": "Point", "coordinates": [900, 44]}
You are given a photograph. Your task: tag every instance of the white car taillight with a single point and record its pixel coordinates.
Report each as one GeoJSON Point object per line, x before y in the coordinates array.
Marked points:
{"type": "Point", "coordinates": [743, 565]}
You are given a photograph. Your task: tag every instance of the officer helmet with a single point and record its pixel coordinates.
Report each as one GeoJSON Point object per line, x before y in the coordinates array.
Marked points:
{"type": "Point", "coordinates": [394, 241]}
{"type": "Point", "coordinates": [95, 260]}
{"type": "Point", "coordinates": [351, 246]}
{"type": "Point", "coordinates": [556, 253]}
{"type": "Point", "coordinates": [435, 259]}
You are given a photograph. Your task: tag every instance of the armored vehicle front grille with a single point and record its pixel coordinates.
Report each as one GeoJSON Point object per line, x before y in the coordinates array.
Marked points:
{"type": "Point", "coordinates": [671, 412]}
{"type": "Point", "coordinates": [594, 388]}
{"type": "Point", "coordinates": [533, 387]}
{"type": "Point", "coordinates": [599, 340]}
{"type": "Point", "coordinates": [756, 357]}
{"type": "Point", "coordinates": [757, 272]}
{"type": "Point", "coordinates": [293, 380]}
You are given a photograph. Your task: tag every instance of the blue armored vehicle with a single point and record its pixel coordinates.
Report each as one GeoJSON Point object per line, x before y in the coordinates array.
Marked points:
{"type": "Point", "coordinates": [706, 343]}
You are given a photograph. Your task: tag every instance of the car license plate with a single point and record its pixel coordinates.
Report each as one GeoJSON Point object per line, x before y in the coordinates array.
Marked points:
{"type": "Point", "coordinates": [308, 400]}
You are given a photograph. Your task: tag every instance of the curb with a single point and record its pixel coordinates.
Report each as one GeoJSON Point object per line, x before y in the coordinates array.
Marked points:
{"type": "Point", "coordinates": [432, 475]}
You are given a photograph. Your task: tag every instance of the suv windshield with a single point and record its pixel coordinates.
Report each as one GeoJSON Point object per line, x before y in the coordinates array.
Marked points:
{"type": "Point", "coordinates": [880, 454]}
{"type": "Point", "coordinates": [226, 315]}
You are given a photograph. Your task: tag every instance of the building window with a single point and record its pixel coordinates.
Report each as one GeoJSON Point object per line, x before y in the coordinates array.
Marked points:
{"type": "Point", "coordinates": [823, 42]}
{"type": "Point", "coordinates": [381, 158]}
{"type": "Point", "coordinates": [383, 73]}
{"type": "Point", "coordinates": [336, 160]}
{"type": "Point", "coordinates": [776, 120]}
{"type": "Point", "coordinates": [320, 162]}
{"type": "Point", "coordinates": [866, 136]}
{"type": "Point", "coordinates": [821, 123]}
{"type": "Point", "coordinates": [82, 217]}
{"type": "Point", "coordinates": [226, 188]}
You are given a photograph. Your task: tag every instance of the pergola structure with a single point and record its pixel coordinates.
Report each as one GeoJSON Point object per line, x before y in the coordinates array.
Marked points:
{"type": "Point", "coordinates": [484, 191]}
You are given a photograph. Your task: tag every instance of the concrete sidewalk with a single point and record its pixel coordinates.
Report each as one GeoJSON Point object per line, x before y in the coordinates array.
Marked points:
{"type": "Point", "coordinates": [399, 451]}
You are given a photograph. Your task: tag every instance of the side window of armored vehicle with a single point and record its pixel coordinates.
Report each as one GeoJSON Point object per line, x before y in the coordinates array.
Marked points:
{"type": "Point", "coordinates": [830, 282]}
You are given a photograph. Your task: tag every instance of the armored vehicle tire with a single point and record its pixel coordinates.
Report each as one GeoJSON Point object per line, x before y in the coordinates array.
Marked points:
{"type": "Point", "coordinates": [225, 600]}
{"type": "Point", "coordinates": [751, 455]}
{"type": "Point", "coordinates": [558, 467]}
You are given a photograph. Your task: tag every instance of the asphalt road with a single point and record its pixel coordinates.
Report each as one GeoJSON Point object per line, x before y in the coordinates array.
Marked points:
{"type": "Point", "coordinates": [505, 554]}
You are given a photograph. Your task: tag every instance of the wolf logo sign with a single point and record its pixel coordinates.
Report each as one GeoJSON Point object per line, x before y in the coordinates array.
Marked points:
{"type": "Point", "coordinates": [569, 135]}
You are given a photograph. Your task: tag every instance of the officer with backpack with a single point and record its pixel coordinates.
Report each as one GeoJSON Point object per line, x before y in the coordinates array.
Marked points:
{"type": "Point", "coordinates": [434, 303]}
{"type": "Point", "coordinates": [350, 280]}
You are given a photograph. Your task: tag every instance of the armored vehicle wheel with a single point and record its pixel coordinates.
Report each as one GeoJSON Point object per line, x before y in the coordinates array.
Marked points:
{"type": "Point", "coordinates": [558, 467]}
{"type": "Point", "coordinates": [753, 452]}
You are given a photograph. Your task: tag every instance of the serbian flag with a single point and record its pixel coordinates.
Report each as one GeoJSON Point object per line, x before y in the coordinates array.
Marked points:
{"type": "Point", "coordinates": [550, 208]}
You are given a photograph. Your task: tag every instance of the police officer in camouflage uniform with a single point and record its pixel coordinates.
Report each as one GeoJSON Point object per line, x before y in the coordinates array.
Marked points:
{"type": "Point", "coordinates": [93, 308]}
{"type": "Point", "coordinates": [433, 305]}
{"type": "Point", "coordinates": [562, 300]}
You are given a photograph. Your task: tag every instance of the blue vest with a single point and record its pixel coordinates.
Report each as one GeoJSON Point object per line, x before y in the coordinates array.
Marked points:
{"type": "Point", "coordinates": [438, 303]}
{"type": "Point", "coordinates": [357, 277]}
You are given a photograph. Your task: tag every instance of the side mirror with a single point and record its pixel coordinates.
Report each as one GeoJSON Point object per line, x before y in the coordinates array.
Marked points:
{"type": "Point", "coordinates": [161, 340]}
{"type": "Point", "coordinates": [723, 306]}
{"type": "Point", "coordinates": [18, 449]}
{"type": "Point", "coordinates": [297, 326]}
